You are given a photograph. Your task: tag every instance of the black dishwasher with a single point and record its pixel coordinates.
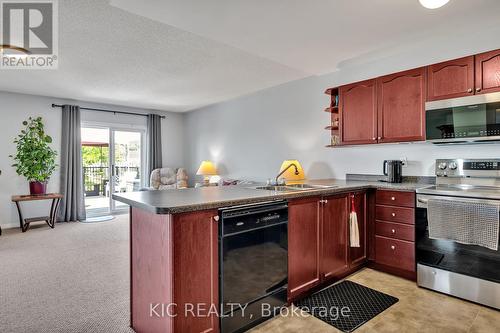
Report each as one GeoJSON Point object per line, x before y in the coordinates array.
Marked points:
{"type": "Point", "coordinates": [253, 263]}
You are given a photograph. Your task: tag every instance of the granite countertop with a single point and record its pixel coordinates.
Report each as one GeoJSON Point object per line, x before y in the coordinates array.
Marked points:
{"type": "Point", "coordinates": [193, 199]}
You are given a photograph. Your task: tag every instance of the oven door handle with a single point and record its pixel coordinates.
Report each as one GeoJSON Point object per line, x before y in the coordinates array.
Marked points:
{"type": "Point", "coordinates": [423, 200]}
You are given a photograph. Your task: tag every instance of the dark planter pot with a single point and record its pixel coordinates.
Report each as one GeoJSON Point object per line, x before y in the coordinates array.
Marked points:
{"type": "Point", "coordinates": [38, 188]}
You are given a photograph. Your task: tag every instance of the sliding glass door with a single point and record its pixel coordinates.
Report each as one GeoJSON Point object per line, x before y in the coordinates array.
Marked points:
{"type": "Point", "coordinates": [127, 164]}
{"type": "Point", "coordinates": [113, 162]}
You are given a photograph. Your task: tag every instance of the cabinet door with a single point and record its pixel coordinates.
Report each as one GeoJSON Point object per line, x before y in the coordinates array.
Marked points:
{"type": "Point", "coordinates": [196, 276]}
{"type": "Point", "coordinates": [450, 79]}
{"type": "Point", "coordinates": [401, 106]}
{"type": "Point", "coordinates": [334, 255]}
{"type": "Point", "coordinates": [303, 245]}
{"type": "Point", "coordinates": [358, 112]}
{"type": "Point", "coordinates": [488, 72]}
{"type": "Point", "coordinates": [357, 255]}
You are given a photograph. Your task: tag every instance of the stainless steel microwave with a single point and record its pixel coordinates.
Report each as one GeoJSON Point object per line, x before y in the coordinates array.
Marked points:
{"type": "Point", "coordinates": [470, 119]}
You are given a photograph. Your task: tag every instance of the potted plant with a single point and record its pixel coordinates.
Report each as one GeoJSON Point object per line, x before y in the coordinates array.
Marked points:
{"type": "Point", "coordinates": [35, 159]}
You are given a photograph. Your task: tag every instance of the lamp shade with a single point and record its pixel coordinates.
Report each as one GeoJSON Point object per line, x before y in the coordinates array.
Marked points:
{"type": "Point", "coordinates": [290, 173]}
{"type": "Point", "coordinates": [207, 168]}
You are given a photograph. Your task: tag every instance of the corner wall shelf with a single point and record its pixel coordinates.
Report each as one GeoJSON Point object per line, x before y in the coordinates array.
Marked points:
{"type": "Point", "coordinates": [333, 109]}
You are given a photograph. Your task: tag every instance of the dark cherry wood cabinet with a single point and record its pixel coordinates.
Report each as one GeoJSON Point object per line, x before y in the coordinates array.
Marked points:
{"type": "Point", "coordinates": [196, 279]}
{"type": "Point", "coordinates": [401, 106]}
{"type": "Point", "coordinates": [395, 253]}
{"type": "Point", "coordinates": [358, 113]}
{"type": "Point", "coordinates": [358, 255]}
{"type": "Point", "coordinates": [174, 260]}
{"type": "Point", "coordinates": [450, 79]}
{"type": "Point", "coordinates": [487, 72]}
{"type": "Point", "coordinates": [395, 198]}
{"type": "Point", "coordinates": [395, 233]}
{"type": "Point", "coordinates": [318, 241]}
{"type": "Point", "coordinates": [304, 239]}
{"type": "Point", "coordinates": [395, 214]}
{"type": "Point", "coordinates": [395, 230]}
{"type": "Point", "coordinates": [335, 232]}
{"type": "Point", "coordinates": [392, 108]}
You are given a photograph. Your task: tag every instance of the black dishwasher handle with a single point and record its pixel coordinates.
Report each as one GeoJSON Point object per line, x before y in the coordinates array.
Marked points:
{"type": "Point", "coordinates": [252, 211]}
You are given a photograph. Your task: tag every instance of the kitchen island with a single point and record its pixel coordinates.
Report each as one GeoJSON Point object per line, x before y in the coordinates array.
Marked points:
{"type": "Point", "coordinates": [174, 246]}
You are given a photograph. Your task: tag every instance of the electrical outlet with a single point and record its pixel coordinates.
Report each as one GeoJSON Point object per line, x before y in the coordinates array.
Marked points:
{"type": "Point", "coordinates": [405, 161]}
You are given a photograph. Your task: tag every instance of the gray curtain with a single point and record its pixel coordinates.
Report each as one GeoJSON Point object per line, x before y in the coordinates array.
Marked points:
{"type": "Point", "coordinates": [154, 157]}
{"type": "Point", "coordinates": [73, 203]}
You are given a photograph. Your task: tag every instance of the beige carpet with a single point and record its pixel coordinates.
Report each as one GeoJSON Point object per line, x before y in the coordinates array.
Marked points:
{"type": "Point", "coordinates": [74, 278]}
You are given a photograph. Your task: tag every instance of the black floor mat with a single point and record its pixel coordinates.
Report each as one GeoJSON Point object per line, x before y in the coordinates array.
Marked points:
{"type": "Point", "coordinates": [363, 304]}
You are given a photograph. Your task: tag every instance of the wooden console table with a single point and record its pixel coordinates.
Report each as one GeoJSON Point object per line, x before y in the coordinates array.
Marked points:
{"type": "Point", "coordinates": [51, 219]}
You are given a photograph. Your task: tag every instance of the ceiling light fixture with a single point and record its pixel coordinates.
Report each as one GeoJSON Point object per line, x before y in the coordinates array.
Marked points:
{"type": "Point", "coordinates": [433, 4]}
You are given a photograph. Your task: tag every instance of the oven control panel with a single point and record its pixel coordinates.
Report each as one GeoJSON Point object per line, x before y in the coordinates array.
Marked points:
{"type": "Point", "coordinates": [467, 168]}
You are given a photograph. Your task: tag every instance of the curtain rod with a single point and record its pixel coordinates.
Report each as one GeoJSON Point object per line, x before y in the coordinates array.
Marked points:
{"type": "Point", "coordinates": [113, 111]}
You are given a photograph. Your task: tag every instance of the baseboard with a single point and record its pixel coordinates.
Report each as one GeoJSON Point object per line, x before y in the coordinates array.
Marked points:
{"type": "Point", "coordinates": [9, 226]}
{"type": "Point", "coordinates": [409, 275]}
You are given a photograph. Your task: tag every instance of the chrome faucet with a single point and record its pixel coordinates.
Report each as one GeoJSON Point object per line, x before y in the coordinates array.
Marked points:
{"type": "Point", "coordinates": [285, 169]}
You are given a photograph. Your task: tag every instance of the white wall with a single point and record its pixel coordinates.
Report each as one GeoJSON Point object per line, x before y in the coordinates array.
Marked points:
{"type": "Point", "coordinates": [249, 137]}
{"type": "Point", "coordinates": [15, 108]}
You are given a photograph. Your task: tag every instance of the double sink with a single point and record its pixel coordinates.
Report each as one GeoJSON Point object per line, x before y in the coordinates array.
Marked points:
{"type": "Point", "coordinates": [294, 187]}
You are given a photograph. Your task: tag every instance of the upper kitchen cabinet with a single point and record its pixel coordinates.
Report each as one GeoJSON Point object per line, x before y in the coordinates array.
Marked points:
{"type": "Point", "coordinates": [401, 106]}
{"type": "Point", "coordinates": [450, 79]}
{"type": "Point", "coordinates": [358, 113]}
{"type": "Point", "coordinates": [488, 72]}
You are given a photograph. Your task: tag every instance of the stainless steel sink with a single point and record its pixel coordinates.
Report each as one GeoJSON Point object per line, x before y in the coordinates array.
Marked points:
{"type": "Point", "coordinates": [310, 187]}
{"type": "Point", "coordinates": [294, 187]}
{"type": "Point", "coordinates": [274, 188]}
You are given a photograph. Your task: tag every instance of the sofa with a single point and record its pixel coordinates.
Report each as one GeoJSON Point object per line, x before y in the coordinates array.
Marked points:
{"type": "Point", "coordinates": [168, 178]}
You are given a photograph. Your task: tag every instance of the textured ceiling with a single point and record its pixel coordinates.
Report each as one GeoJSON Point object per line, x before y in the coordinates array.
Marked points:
{"type": "Point", "coordinates": [179, 55]}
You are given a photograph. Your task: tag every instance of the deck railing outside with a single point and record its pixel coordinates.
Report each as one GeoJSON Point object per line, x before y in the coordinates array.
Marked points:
{"type": "Point", "coordinates": [96, 178]}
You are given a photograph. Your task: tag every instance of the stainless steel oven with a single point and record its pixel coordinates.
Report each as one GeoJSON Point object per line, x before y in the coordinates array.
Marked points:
{"type": "Point", "coordinates": [467, 271]}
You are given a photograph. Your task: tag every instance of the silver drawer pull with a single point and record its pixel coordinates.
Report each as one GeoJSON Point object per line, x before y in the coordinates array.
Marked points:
{"type": "Point", "coordinates": [393, 231]}
{"type": "Point", "coordinates": [393, 214]}
{"type": "Point", "coordinates": [393, 247]}
{"type": "Point", "coordinates": [393, 198]}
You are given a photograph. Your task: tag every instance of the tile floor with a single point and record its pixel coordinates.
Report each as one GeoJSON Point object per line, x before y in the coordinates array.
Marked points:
{"type": "Point", "coordinates": [418, 310]}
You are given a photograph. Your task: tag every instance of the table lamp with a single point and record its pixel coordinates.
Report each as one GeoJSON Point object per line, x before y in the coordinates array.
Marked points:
{"type": "Point", "coordinates": [206, 169]}
{"type": "Point", "coordinates": [290, 173]}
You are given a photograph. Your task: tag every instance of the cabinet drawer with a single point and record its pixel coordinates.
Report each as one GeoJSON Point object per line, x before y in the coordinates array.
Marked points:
{"type": "Point", "coordinates": [395, 198]}
{"type": "Point", "coordinates": [395, 214]}
{"type": "Point", "coordinates": [395, 253]}
{"type": "Point", "coordinates": [395, 230]}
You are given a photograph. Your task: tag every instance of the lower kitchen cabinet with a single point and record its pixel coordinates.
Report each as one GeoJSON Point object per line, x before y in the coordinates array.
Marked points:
{"type": "Point", "coordinates": [359, 255]}
{"type": "Point", "coordinates": [334, 240]}
{"type": "Point", "coordinates": [395, 253]}
{"type": "Point", "coordinates": [303, 245]}
{"type": "Point", "coordinates": [174, 261]}
{"type": "Point", "coordinates": [318, 241]}
{"type": "Point", "coordinates": [395, 233]}
{"type": "Point", "coordinates": [195, 262]}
